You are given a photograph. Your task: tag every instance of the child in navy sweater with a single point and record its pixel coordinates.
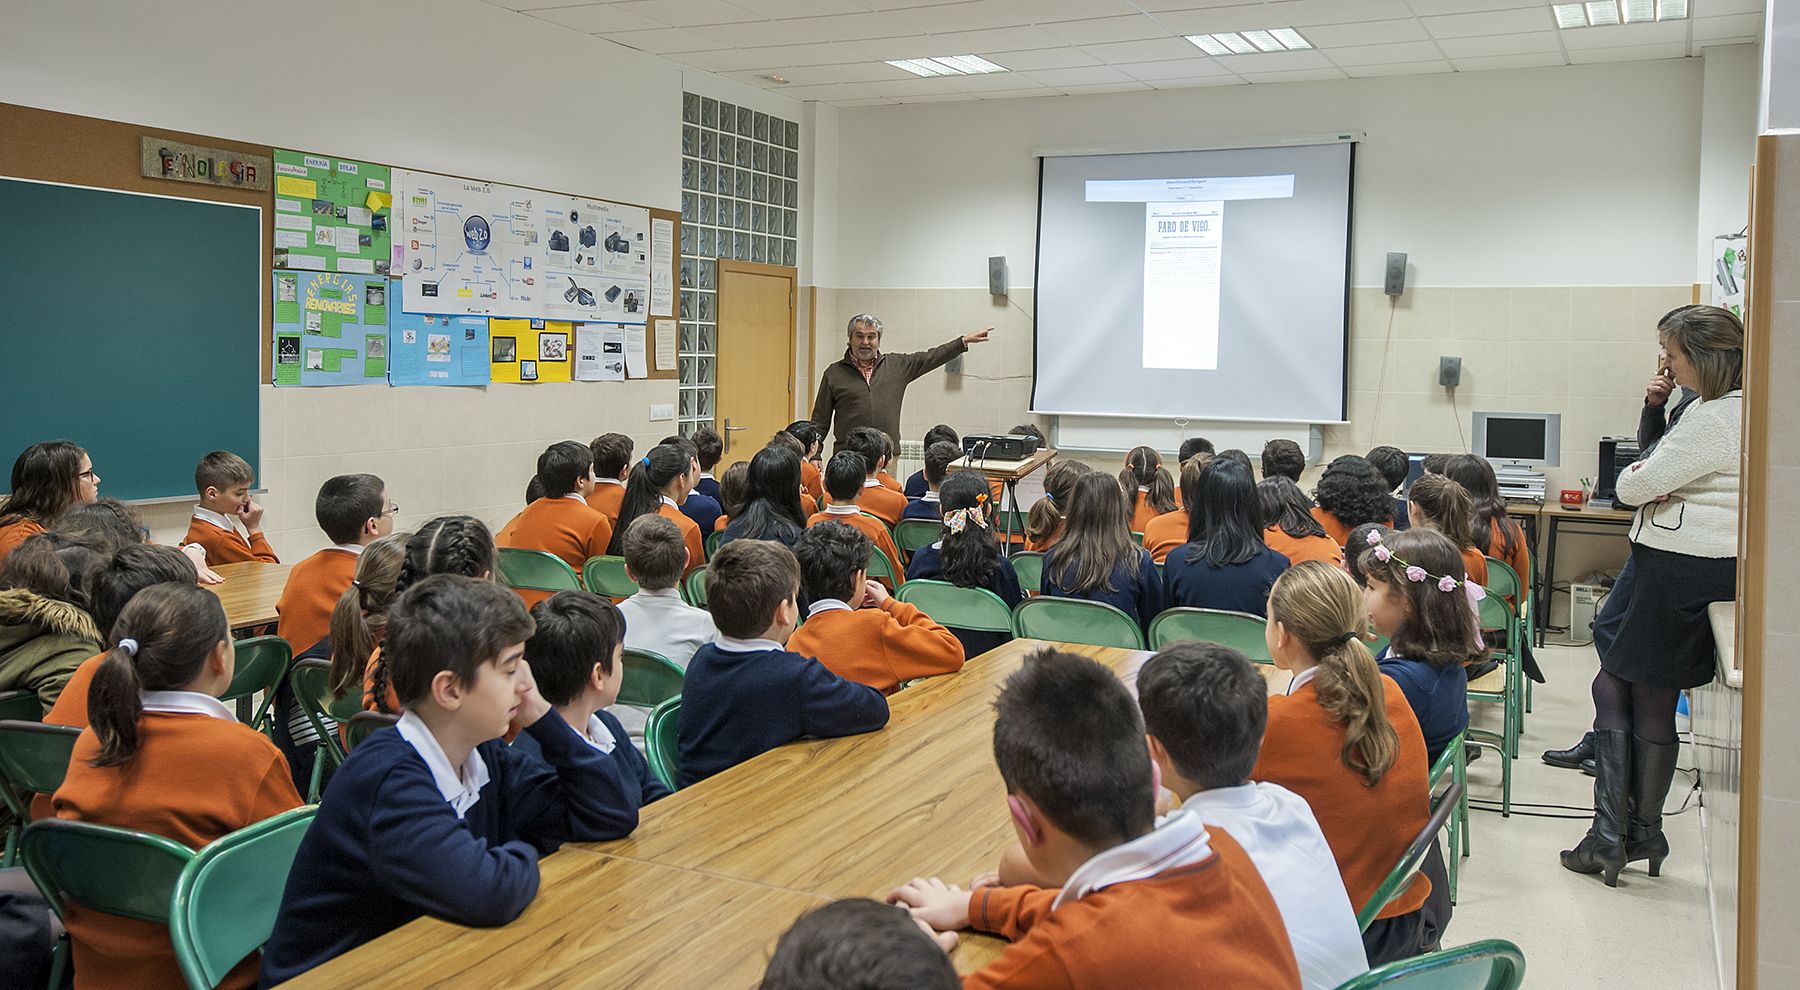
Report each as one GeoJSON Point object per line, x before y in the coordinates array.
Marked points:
{"type": "Point", "coordinates": [919, 482]}
{"type": "Point", "coordinates": [1430, 630]}
{"type": "Point", "coordinates": [575, 657]}
{"type": "Point", "coordinates": [967, 555]}
{"type": "Point", "coordinates": [1096, 557]}
{"type": "Point", "coordinates": [744, 693]}
{"type": "Point", "coordinates": [437, 815]}
{"type": "Point", "coordinates": [927, 504]}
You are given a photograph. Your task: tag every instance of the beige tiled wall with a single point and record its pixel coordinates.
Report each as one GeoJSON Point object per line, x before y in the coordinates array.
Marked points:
{"type": "Point", "coordinates": [440, 450]}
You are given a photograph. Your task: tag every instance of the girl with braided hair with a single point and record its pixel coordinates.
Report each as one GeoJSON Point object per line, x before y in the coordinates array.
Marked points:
{"type": "Point", "coordinates": [446, 545]}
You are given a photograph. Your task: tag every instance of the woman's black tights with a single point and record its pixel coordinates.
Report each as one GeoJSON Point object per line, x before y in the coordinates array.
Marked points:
{"type": "Point", "coordinates": [1646, 712]}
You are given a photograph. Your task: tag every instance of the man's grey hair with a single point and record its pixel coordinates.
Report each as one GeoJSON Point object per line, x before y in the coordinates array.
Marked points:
{"type": "Point", "coordinates": [865, 319]}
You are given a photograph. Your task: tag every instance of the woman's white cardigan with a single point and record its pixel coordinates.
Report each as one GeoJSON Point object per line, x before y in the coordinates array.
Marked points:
{"type": "Point", "coordinates": [1696, 466]}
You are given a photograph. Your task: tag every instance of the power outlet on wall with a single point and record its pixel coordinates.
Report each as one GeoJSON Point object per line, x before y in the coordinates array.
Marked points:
{"type": "Point", "coordinates": [661, 412]}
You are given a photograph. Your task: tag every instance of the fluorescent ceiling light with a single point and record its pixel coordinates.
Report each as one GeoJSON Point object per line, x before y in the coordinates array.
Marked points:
{"type": "Point", "coordinates": [1264, 41]}
{"type": "Point", "coordinates": [1570, 15]}
{"type": "Point", "coordinates": [1603, 13]}
{"type": "Point", "coordinates": [1250, 42]}
{"type": "Point", "coordinates": [1291, 38]}
{"type": "Point", "coordinates": [1669, 10]}
{"type": "Point", "coordinates": [947, 65]}
{"type": "Point", "coordinates": [1209, 44]}
{"type": "Point", "coordinates": [1637, 11]}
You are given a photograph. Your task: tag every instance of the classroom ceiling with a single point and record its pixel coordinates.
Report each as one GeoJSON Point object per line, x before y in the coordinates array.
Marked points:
{"type": "Point", "coordinates": [836, 51]}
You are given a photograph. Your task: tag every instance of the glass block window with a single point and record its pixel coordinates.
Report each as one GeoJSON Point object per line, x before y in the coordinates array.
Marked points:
{"type": "Point", "coordinates": [740, 198]}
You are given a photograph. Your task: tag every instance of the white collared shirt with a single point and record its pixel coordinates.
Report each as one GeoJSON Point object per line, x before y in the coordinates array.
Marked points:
{"type": "Point", "coordinates": [659, 621]}
{"type": "Point", "coordinates": [577, 496]}
{"type": "Point", "coordinates": [460, 788]}
{"type": "Point", "coordinates": [1301, 678]}
{"type": "Point", "coordinates": [598, 735]}
{"type": "Point", "coordinates": [671, 502]}
{"type": "Point", "coordinates": [731, 644]}
{"type": "Point", "coordinates": [1279, 831]}
{"type": "Point", "coordinates": [610, 481]}
{"type": "Point", "coordinates": [218, 519]}
{"type": "Point", "coordinates": [1178, 840]}
{"type": "Point", "coordinates": [707, 476]}
{"type": "Point", "coordinates": [353, 549]}
{"type": "Point", "coordinates": [872, 483]}
{"type": "Point", "coordinates": [835, 509]}
{"type": "Point", "coordinates": [828, 605]}
{"type": "Point", "coordinates": [929, 496]}
{"type": "Point", "coordinates": [186, 703]}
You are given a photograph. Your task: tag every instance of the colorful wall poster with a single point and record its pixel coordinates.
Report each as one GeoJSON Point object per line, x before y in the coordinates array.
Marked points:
{"type": "Point", "coordinates": [599, 352]}
{"type": "Point", "coordinates": [437, 350]}
{"type": "Point", "coordinates": [532, 351]}
{"type": "Point", "coordinates": [330, 328]}
{"type": "Point", "coordinates": [596, 260]}
{"type": "Point", "coordinates": [331, 214]}
{"type": "Point", "coordinates": [468, 248]}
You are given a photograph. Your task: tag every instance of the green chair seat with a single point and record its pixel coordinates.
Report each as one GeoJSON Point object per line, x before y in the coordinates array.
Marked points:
{"type": "Point", "coordinates": [1491, 964]}
{"type": "Point", "coordinates": [693, 588]}
{"type": "Point", "coordinates": [911, 535]}
{"type": "Point", "coordinates": [1241, 631]}
{"type": "Point", "coordinates": [34, 757]}
{"type": "Point", "coordinates": [1401, 876]}
{"type": "Point", "coordinates": [650, 678]}
{"type": "Point", "coordinates": [535, 570]}
{"type": "Point", "coordinates": [310, 681]}
{"type": "Point", "coordinates": [607, 576]}
{"type": "Point", "coordinates": [711, 543]}
{"type": "Point", "coordinates": [662, 742]}
{"type": "Point", "coordinates": [262, 664]}
{"type": "Point", "coordinates": [20, 706]}
{"type": "Point", "coordinates": [1076, 620]}
{"type": "Point", "coordinates": [363, 723]}
{"type": "Point", "coordinates": [1029, 566]}
{"type": "Point", "coordinates": [227, 895]}
{"type": "Point", "coordinates": [973, 609]}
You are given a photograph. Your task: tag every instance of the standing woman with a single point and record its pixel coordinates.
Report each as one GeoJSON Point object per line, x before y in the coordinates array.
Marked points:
{"type": "Point", "coordinates": [47, 479]}
{"type": "Point", "coordinates": [1684, 553]}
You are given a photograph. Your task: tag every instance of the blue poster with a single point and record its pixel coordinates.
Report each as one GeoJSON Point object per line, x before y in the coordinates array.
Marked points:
{"type": "Point", "coordinates": [330, 328]}
{"type": "Point", "coordinates": [437, 350]}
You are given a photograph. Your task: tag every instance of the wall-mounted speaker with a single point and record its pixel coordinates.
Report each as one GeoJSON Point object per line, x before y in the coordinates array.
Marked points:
{"type": "Point", "coordinates": [997, 275]}
{"type": "Point", "coordinates": [1449, 371]}
{"type": "Point", "coordinates": [1395, 282]}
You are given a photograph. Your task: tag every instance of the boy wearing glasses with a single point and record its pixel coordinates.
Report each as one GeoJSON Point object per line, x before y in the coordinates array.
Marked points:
{"type": "Point", "coordinates": [354, 511]}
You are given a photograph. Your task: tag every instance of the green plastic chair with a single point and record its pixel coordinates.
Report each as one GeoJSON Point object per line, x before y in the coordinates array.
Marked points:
{"type": "Point", "coordinates": [113, 871]}
{"type": "Point", "coordinates": [363, 723]}
{"type": "Point", "coordinates": [606, 576]}
{"type": "Point", "coordinates": [974, 609]}
{"type": "Point", "coordinates": [20, 706]}
{"type": "Point", "coordinates": [881, 567]}
{"type": "Point", "coordinates": [1454, 763]}
{"type": "Point", "coordinates": [1503, 580]}
{"type": "Point", "coordinates": [310, 680]}
{"type": "Point", "coordinates": [1400, 877]}
{"type": "Point", "coordinates": [1241, 631]}
{"type": "Point", "coordinates": [1491, 964]}
{"type": "Point", "coordinates": [662, 742]}
{"type": "Point", "coordinates": [1076, 620]}
{"type": "Point", "coordinates": [650, 678]}
{"type": "Point", "coordinates": [711, 543]}
{"type": "Point", "coordinates": [1137, 538]}
{"type": "Point", "coordinates": [227, 896]}
{"type": "Point", "coordinates": [536, 570]}
{"type": "Point", "coordinates": [912, 535]}
{"type": "Point", "coordinates": [262, 664]}
{"type": "Point", "coordinates": [1501, 687]}
{"type": "Point", "coordinates": [34, 757]}
{"type": "Point", "coordinates": [693, 588]}
{"type": "Point", "coordinates": [1029, 566]}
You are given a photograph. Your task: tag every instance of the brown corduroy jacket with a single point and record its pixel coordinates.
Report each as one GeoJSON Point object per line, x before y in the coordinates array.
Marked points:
{"type": "Point", "coordinates": [875, 402]}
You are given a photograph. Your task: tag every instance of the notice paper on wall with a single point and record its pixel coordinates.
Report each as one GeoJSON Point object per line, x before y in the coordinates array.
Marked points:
{"type": "Point", "coordinates": [599, 352]}
{"type": "Point", "coordinates": [330, 329]}
{"type": "Point", "coordinates": [662, 253]}
{"type": "Point", "coordinates": [331, 214]}
{"type": "Point", "coordinates": [437, 350]}
{"type": "Point", "coordinates": [531, 351]}
{"type": "Point", "coordinates": [634, 353]}
{"type": "Point", "coordinates": [665, 344]}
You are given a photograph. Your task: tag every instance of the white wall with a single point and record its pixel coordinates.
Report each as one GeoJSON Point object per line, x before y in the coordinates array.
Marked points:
{"type": "Point", "coordinates": [1727, 146]}
{"type": "Point", "coordinates": [1779, 106]}
{"type": "Point", "coordinates": [1580, 175]}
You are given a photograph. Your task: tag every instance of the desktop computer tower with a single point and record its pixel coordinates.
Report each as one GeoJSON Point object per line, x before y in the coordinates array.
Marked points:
{"type": "Point", "coordinates": [1617, 454]}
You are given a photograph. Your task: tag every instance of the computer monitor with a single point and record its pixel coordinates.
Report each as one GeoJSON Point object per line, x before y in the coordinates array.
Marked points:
{"type": "Point", "coordinates": [1415, 469]}
{"type": "Point", "coordinates": [1519, 439]}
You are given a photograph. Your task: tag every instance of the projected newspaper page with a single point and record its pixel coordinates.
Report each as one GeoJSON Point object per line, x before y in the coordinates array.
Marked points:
{"type": "Point", "coordinates": [1182, 244]}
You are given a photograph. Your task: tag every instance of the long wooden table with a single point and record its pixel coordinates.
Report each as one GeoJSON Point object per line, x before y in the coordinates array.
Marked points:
{"type": "Point", "coordinates": [250, 591]}
{"type": "Point", "coordinates": [1547, 520]}
{"type": "Point", "coordinates": [716, 872]}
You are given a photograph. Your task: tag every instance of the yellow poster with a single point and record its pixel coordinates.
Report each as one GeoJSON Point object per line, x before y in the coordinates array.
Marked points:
{"type": "Point", "coordinates": [532, 351]}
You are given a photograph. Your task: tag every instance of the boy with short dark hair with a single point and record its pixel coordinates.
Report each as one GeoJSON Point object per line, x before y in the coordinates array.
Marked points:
{"type": "Point", "coordinates": [223, 480]}
{"type": "Point", "coordinates": [1283, 458]}
{"type": "Point", "coordinates": [937, 464]}
{"type": "Point", "coordinates": [562, 522]}
{"type": "Point", "coordinates": [745, 694]}
{"type": "Point", "coordinates": [656, 619]}
{"type": "Point", "coordinates": [1205, 708]}
{"type": "Point", "coordinates": [1139, 904]}
{"type": "Point", "coordinates": [708, 447]}
{"type": "Point", "coordinates": [577, 658]}
{"type": "Point", "coordinates": [612, 463]}
{"type": "Point", "coordinates": [1192, 446]}
{"type": "Point", "coordinates": [438, 815]}
{"type": "Point", "coordinates": [862, 943]}
{"type": "Point", "coordinates": [846, 480]}
{"type": "Point", "coordinates": [916, 484]}
{"type": "Point", "coordinates": [875, 498]}
{"type": "Point", "coordinates": [853, 626]}
{"type": "Point", "coordinates": [1394, 465]}
{"type": "Point", "coordinates": [354, 511]}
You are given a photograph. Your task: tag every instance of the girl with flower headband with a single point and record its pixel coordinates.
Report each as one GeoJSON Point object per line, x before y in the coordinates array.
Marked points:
{"type": "Point", "coordinates": [1344, 738]}
{"type": "Point", "coordinates": [967, 553]}
{"type": "Point", "coordinates": [154, 716]}
{"type": "Point", "coordinates": [1430, 631]}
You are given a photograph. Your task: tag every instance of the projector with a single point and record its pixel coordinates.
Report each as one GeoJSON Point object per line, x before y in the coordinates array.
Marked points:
{"type": "Point", "coordinates": [1009, 447]}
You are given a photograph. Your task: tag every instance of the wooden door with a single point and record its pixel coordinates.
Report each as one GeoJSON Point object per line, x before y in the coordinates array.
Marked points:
{"type": "Point", "coordinates": [755, 368]}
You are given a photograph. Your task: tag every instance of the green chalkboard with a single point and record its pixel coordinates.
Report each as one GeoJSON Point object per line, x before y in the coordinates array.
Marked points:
{"type": "Point", "coordinates": [131, 325]}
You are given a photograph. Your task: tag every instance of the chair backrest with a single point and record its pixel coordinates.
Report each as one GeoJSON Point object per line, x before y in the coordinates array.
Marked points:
{"type": "Point", "coordinates": [111, 870]}
{"type": "Point", "coordinates": [1137, 538]}
{"type": "Point", "coordinates": [1502, 579]}
{"type": "Point", "coordinates": [1491, 964]}
{"type": "Point", "coordinates": [34, 757]}
{"type": "Point", "coordinates": [1400, 877]}
{"type": "Point", "coordinates": [1495, 613]}
{"type": "Point", "coordinates": [650, 679]}
{"type": "Point", "coordinates": [693, 588]}
{"type": "Point", "coordinates": [1076, 620]}
{"type": "Point", "coordinates": [711, 543]}
{"type": "Point", "coordinates": [536, 570]}
{"type": "Point", "coordinates": [21, 706]}
{"type": "Point", "coordinates": [363, 723]}
{"type": "Point", "coordinates": [310, 680]}
{"type": "Point", "coordinates": [662, 742]}
{"type": "Point", "coordinates": [606, 576]}
{"type": "Point", "coordinates": [1446, 760]}
{"type": "Point", "coordinates": [975, 609]}
{"type": "Point", "coordinates": [1029, 566]}
{"type": "Point", "coordinates": [911, 534]}
{"type": "Point", "coordinates": [262, 662]}
{"type": "Point", "coordinates": [881, 567]}
{"type": "Point", "coordinates": [226, 897]}
{"type": "Point", "coordinates": [1241, 631]}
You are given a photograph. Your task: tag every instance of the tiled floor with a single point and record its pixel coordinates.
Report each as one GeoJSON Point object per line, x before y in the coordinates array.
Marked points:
{"type": "Point", "coordinates": [1575, 932]}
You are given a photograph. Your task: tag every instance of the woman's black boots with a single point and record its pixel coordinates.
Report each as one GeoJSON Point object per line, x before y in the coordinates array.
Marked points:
{"type": "Point", "coordinates": [1652, 771]}
{"type": "Point", "coordinates": [1602, 850]}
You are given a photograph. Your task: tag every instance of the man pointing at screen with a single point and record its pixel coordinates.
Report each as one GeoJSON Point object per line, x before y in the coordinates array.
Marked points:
{"type": "Point", "coordinates": [866, 387]}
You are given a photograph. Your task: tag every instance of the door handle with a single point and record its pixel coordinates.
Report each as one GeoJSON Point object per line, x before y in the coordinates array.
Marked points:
{"type": "Point", "coordinates": [729, 430]}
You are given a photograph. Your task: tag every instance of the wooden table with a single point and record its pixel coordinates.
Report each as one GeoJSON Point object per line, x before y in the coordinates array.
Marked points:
{"type": "Point", "coordinates": [250, 591]}
{"type": "Point", "coordinates": [1008, 473]}
{"type": "Point", "coordinates": [1554, 517]}
{"type": "Point", "coordinates": [716, 872]}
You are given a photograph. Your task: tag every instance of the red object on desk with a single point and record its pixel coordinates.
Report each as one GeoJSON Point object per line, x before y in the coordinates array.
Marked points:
{"type": "Point", "coordinates": [1573, 496]}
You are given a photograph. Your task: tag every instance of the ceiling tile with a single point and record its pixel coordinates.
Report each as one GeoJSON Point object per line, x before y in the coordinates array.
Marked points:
{"type": "Point", "coordinates": [1185, 68]}
{"type": "Point", "coordinates": [1368, 33]}
{"type": "Point", "coordinates": [596, 18]}
{"type": "Point", "coordinates": [818, 54]}
{"type": "Point", "coordinates": [1630, 53]}
{"type": "Point", "coordinates": [1713, 8]}
{"type": "Point", "coordinates": [1529, 60]}
{"type": "Point", "coordinates": [1085, 76]}
{"type": "Point", "coordinates": [1154, 50]}
{"type": "Point", "coordinates": [940, 98]}
{"type": "Point", "coordinates": [1626, 36]}
{"type": "Point", "coordinates": [877, 102]}
{"type": "Point", "coordinates": [1492, 22]}
{"type": "Point", "coordinates": [1195, 83]}
{"type": "Point", "coordinates": [1398, 69]}
{"type": "Point", "coordinates": [1405, 51]}
{"type": "Point", "coordinates": [801, 8]}
{"type": "Point", "coordinates": [1013, 39]}
{"type": "Point", "coordinates": [1102, 30]}
{"type": "Point", "coordinates": [1052, 11]}
{"type": "Point", "coordinates": [1301, 75]}
{"type": "Point", "coordinates": [1016, 94]}
{"type": "Point", "coordinates": [904, 4]}
{"type": "Point", "coordinates": [663, 41]}
{"type": "Point", "coordinates": [1431, 8]}
{"type": "Point", "coordinates": [1502, 44]}
{"type": "Point", "coordinates": [1273, 62]}
{"type": "Point", "coordinates": [827, 75]}
{"type": "Point", "coordinates": [851, 27]}
{"type": "Point", "coordinates": [1161, 6]}
{"type": "Point", "coordinates": [1049, 58]}
{"type": "Point", "coordinates": [993, 81]}
{"type": "Point", "coordinates": [1729, 26]}
{"type": "Point", "coordinates": [756, 34]}
{"type": "Point", "coordinates": [728, 60]}
{"type": "Point", "coordinates": [952, 17]}
{"type": "Point", "coordinates": [1124, 87]}
{"type": "Point", "coordinates": [1236, 18]}
{"type": "Point", "coordinates": [527, 5]}
{"type": "Point", "coordinates": [688, 13]}
{"type": "Point", "coordinates": [1300, 13]}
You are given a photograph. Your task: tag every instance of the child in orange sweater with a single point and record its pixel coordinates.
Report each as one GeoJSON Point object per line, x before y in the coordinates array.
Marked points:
{"type": "Point", "coordinates": [612, 462]}
{"type": "Point", "coordinates": [1044, 524]}
{"type": "Point", "coordinates": [844, 480]}
{"type": "Point", "coordinates": [876, 498]}
{"type": "Point", "coordinates": [1436, 502]}
{"type": "Point", "coordinates": [1139, 904]}
{"type": "Point", "coordinates": [1170, 530]}
{"type": "Point", "coordinates": [223, 480]}
{"type": "Point", "coordinates": [1290, 528]}
{"type": "Point", "coordinates": [155, 718]}
{"type": "Point", "coordinates": [1148, 485]}
{"type": "Point", "coordinates": [47, 479]}
{"type": "Point", "coordinates": [562, 522]}
{"type": "Point", "coordinates": [354, 511]}
{"type": "Point", "coordinates": [854, 627]}
{"type": "Point", "coordinates": [659, 482]}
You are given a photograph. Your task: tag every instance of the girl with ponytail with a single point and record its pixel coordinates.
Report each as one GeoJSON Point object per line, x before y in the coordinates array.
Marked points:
{"type": "Point", "coordinates": [156, 729]}
{"type": "Point", "coordinates": [1149, 486]}
{"type": "Point", "coordinates": [1344, 738]}
{"type": "Point", "coordinates": [1445, 506]}
{"type": "Point", "coordinates": [446, 545]}
{"type": "Point", "coordinates": [1043, 526]}
{"type": "Point", "coordinates": [659, 482]}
